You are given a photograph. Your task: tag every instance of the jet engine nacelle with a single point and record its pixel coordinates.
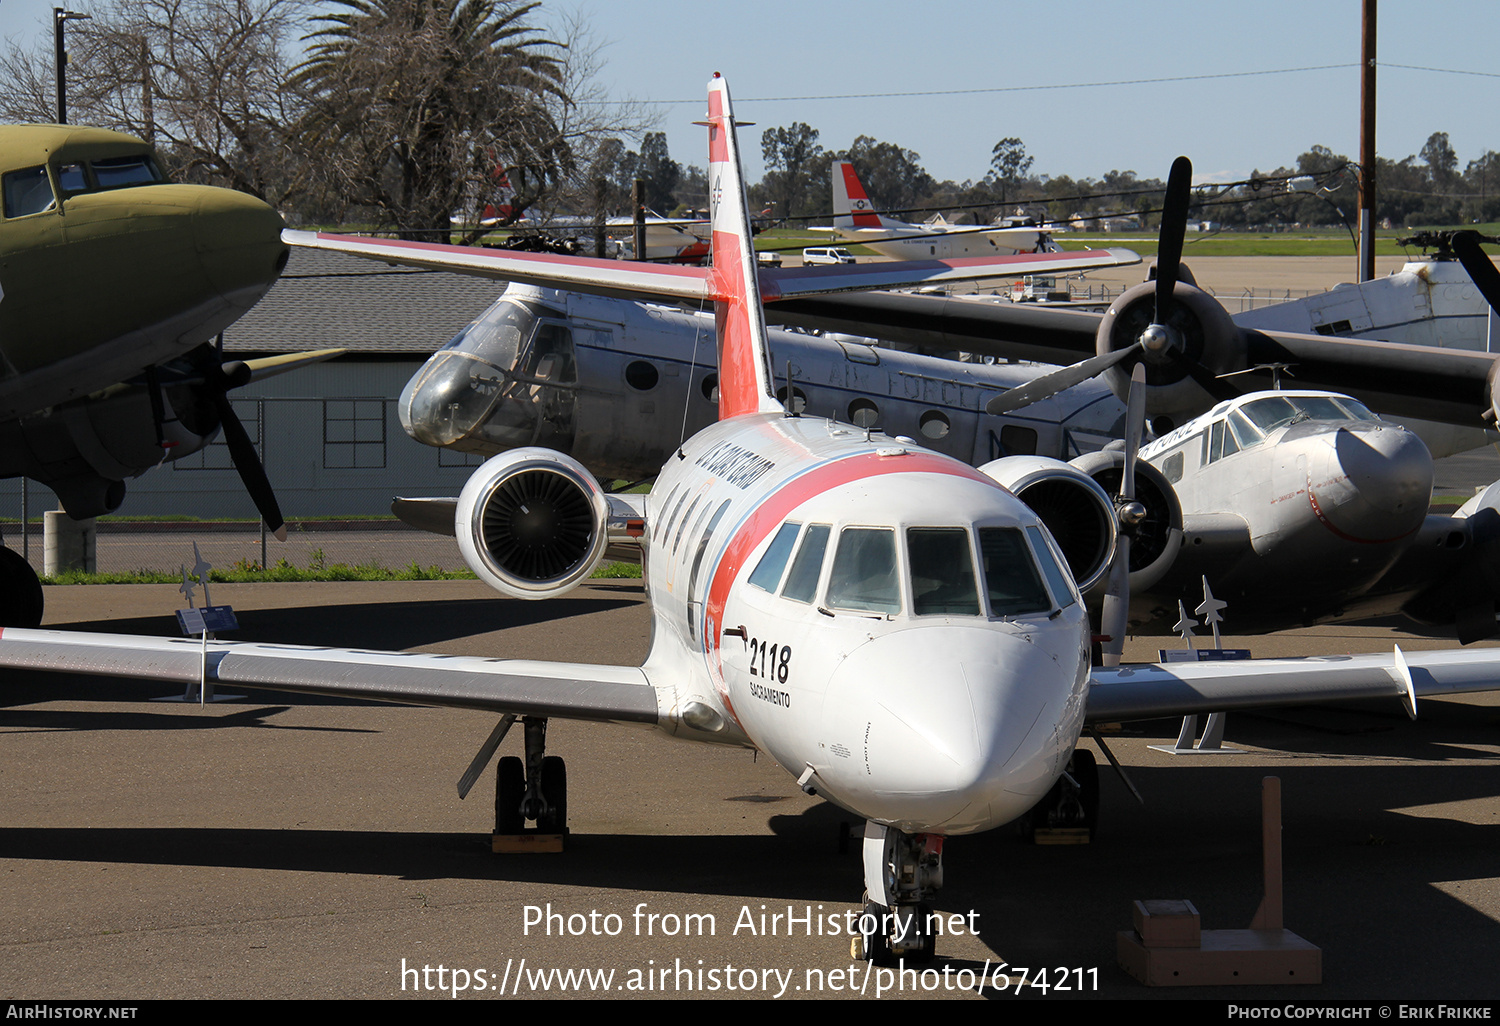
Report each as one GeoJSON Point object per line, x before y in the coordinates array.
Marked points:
{"type": "Point", "coordinates": [1158, 537]}
{"type": "Point", "coordinates": [1201, 334]}
{"type": "Point", "coordinates": [1074, 507]}
{"type": "Point", "coordinates": [531, 523]}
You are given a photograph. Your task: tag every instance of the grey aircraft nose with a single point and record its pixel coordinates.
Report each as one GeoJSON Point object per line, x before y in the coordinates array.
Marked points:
{"type": "Point", "coordinates": [1389, 467]}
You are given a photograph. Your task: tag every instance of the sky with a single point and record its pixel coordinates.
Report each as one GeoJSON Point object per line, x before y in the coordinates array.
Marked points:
{"type": "Point", "coordinates": [990, 70]}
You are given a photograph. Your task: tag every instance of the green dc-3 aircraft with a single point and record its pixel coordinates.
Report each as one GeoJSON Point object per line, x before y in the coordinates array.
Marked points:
{"type": "Point", "coordinates": [113, 282]}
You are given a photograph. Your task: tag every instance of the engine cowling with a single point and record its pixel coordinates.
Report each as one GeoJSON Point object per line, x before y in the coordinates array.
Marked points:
{"type": "Point", "coordinates": [1074, 507]}
{"type": "Point", "coordinates": [531, 523]}
{"type": "Point", "coordinates": [1201, 332]}
{"type": "Point", "coordinates": [1158, 537]}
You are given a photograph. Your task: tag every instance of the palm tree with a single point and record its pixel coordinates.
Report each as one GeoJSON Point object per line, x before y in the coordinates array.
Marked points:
{"type": "Point", "coordinates": [417, 105]}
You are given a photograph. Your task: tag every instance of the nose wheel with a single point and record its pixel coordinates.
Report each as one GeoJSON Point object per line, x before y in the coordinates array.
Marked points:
{"type": "Point", "coordinates": [902, 871]}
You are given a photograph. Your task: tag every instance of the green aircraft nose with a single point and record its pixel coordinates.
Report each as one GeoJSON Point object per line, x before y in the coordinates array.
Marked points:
{"type": "Point", "coordinates": [238, 239]}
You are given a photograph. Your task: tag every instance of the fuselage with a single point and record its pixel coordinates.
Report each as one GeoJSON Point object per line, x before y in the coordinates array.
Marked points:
{"type": "Point", "coordinates": [617, 384]}
{"type": "Point", "coordinates": [905, 241]}
{"type": "Point", "coordinates": [888, 624]}
{"type": "Point", "coordinates": [1294, 503]}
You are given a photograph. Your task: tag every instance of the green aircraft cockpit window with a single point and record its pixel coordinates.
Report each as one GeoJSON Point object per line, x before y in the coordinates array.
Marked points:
{"type": "Point", "coordinates": [28, 191]}
{"type": "Point", "coordinates": [1010, 575]}
{"type": "Point", "coordinates": [863, 578]}
{"type": "Point", "coordinates": [121, 172]}
{"type": "Point", "coordinates": [942, 572]}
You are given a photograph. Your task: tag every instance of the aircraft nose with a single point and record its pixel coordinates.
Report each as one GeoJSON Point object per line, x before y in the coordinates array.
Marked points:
{"type": "Point", "coordinates": [238, 239]}
{"type": "Point", "coordinates": [958, 728]}
{"type": "Point", "coordinates": [1379, 481]}
{"type": "Point", "coordinates": [456, 396]}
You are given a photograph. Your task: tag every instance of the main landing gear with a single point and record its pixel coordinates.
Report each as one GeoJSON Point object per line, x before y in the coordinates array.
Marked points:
{"type": "Point", "coordinates": [902, 871]}
{"type": "Point", "coordinates": [1070, 811]}
{"type": "Point", "coordinates": [534, 790]}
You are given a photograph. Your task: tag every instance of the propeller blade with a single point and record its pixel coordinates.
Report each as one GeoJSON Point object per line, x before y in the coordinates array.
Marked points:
{"type": "Point", "coordinates": [1114, 613]}
{"type": "Point", "coordinates": [1053, 382]}
{"type": "Point", "coordinates": [247, 463]}
{"type": "Point", "coordinates": [1481, 268]}
{"type": "Point", "coordinates": [1135, 426]}
{"type": "Point", "coordinates": [1113, 619]}
{"type": "Point", "coordinates": [1173, 230]}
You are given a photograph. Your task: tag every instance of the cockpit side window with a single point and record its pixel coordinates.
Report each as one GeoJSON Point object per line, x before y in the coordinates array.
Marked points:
{"type": "Point", "coordinates": [28, 191]}
{"type": "Point", "coordinates": [864, 578]}
{"type": "Point", "coordinates": [1010, 576]}
{"type": "Point", "coordinates": [807, 567]}
{"type": "Point", "coordinates": [1062, 585]}
{"type": "Point", "coordinates": [767, 573]}
{"type": "Point", "coordinates": [942, 572]}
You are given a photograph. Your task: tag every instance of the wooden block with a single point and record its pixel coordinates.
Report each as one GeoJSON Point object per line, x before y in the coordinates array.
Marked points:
{"type": "Point", "coordinates": [1226, 958]}
{"type": "Point", "coordinates": [1167, 923]}
{"type": "Point", "coordinates": [528, 843]}
{"type": "Point", "coordinates": [1060, 835]}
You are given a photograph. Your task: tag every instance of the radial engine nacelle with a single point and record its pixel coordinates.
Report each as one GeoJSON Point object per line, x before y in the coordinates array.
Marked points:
{"type": "Point", "coordinates": [1203, 343]}
{"type": "Point", "coordinates": [531, 523]}
{"type": "Point", "coordinates": [1157, 537]}
{"type": "Point", "coordinates": [1074, 507]}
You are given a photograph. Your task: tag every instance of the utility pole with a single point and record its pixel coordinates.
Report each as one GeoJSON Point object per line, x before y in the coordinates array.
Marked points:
{"type": "Point", "coordinates": [59, 18]}
{"type": "Point", "coordinates": [1367, 145]}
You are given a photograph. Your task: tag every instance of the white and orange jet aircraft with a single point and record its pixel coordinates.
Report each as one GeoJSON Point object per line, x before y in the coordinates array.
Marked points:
{"type": "Point", "coordinates": [892, 626]}
{"type": "Point", "coordinates": [855, 219]}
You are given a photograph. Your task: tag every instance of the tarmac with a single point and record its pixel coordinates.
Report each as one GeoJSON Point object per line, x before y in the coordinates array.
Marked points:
{"type": "Point", "coordinates": [292, 847]}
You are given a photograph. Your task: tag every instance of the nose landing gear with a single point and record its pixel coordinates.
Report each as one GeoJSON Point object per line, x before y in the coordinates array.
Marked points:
{"type": "Point", "coordinates": [902, 871]}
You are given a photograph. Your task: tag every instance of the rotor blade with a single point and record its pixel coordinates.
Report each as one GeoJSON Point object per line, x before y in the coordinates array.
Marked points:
{"type": "Point", "coordinates": [1173, 229]}
{"type": "Point", "coordinates": [247, 462]}
{"type": "Point", "coordinates": [1135, 424]}
{"type": "Point", "coordinates": [1480, 267]}
{"type": "Point", "coordinates": [1053, 382]}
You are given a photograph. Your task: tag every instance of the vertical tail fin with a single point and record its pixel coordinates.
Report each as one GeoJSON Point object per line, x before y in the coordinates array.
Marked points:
{"type": "Point", "coordinates": [851, 207]}
{"type": "Point", "coordinates": [744, 357]}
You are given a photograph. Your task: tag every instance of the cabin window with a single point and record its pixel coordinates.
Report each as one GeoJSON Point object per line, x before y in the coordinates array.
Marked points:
{"type": "Point", "coordinates": [864, 413]}
{"type": "Point", "coordinates": [1010, 576]}
{"type": "Point", "coordinates": [1171, 467]}
{"type": "Point", "coordinates": [1245, 433]}
{"type": "Point", "coordinates": [799, 399]}
{"type": "Point", "coordinates": [807, 567]}
{"type": "Point", "coordinates": [1017, 440]}
{"type": "Point", "coordinates": [942, 572]}
{"type": "Point", "coordinates": [27, 192]}
{"type": "Point", "coordinates": [1062, 585]}
{"type": "Point", "coordinates": [934, 424]}
{"type": "Point", "coordinates": [683, 525]}
{"type": "Point", "coordinates": [767, 573]}
{"type": "Point", "coordinates": [709, 386]}
{"type": "Point", "coordinates": [641, 375]}
{"type": "Point", "coordinates": [863, 578]}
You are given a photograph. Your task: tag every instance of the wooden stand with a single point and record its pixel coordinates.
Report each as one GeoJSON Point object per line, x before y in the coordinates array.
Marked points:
{"type": "Point", "coordinates": [1167, 948]}
{"type": "Point", "coordinates": [528, 843]}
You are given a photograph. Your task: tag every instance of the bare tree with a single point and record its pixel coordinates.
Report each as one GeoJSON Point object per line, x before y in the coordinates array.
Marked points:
{"type": "Point", "coordinates": [204, 81]}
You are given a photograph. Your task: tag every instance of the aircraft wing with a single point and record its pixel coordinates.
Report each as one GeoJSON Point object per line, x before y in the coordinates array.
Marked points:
{"type": "Point", "coordinates": [1447, 385]}
{"type": "Point", "coordinates": [579, 691]}
{"type": "Point", "coordinates": [1176, 689]}
{"type": "Point", "coordinates": [674, 283]}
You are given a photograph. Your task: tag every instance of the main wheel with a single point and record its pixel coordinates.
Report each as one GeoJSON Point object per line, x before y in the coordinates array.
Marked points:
{"type": "Point", "coordinates": [20, 591]}
{"type": "Point", "coordinates": [874, 938]}
{"type": "Point", "coordinates": [510, 791]}
{"type": "Point", "coordinates": [555, 794]}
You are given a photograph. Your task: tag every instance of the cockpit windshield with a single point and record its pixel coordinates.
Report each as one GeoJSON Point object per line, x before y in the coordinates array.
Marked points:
{"type": "Point", "coordinates": [1279, 410]}
{"type": "Point", "coordinates": [942, 572]}
{"type": "Point", "coordinates": [29, 191]}
{"type": "Point", "coordinates": [1010, 574]}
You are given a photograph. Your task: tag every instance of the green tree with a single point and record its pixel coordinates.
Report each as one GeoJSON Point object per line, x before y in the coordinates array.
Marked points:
{"type": "Point", "coordinates": [792, 156]}
{"type": "Point", "coordinates": [893, 177]}
{"type": "Point", "coordinates": [1009, 164]}
{"type": "Point", "coordinates": [415, 104]}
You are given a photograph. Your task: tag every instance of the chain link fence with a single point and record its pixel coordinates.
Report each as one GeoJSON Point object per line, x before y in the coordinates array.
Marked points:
{"type": "Point", "coordinates": [335, 463]}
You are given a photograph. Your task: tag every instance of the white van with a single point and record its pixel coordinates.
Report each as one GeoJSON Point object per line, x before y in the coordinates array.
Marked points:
{"type": "Point", "coordinates": [827, 255]}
